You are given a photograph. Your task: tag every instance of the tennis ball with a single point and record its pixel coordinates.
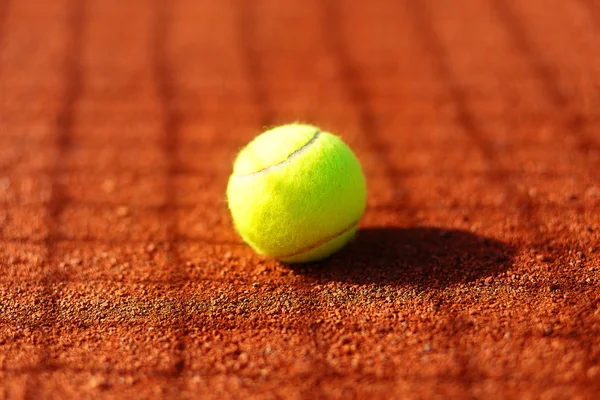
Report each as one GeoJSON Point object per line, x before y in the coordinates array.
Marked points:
{"type": "Point", "coordinates": [296, 193]}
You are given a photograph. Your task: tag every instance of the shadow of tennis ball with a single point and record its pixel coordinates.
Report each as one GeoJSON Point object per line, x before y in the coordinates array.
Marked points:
{"type": "Point", "coordinates": [421, 256]}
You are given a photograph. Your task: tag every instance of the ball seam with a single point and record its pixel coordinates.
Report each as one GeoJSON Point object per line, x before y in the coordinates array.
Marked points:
{"type": "Point", "coordinates": [287, 160]}
{"type": "Point", "coordinates": [320, 242]}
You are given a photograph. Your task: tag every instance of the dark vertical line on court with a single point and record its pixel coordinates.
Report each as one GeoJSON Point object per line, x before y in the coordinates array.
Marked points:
{"type": "Point", "coordinates": [425, 29]}
{"type": "Point", "coordinates": [63, 138]}
{"type": "Point", "coordinates": [594, 11]}
{"type": "Point", "coordinates": [170, 144]}
{"type": "Point", "coordinates": [353, 84]}
{"type": "Point", "coordinates": [423, 26]}
{"type": "Point", "coordinates": [63, 141]}
{"type": "Point", "coordinates": [350, 76]}
{"type": "Point", "coordinates": [4, 7]}
{"type": "Point", "coordinates": [575, 122]}
{"type": "Point", "coordinates": [543, 71]}
{"type": "Point", "coordinates": [251, 57]}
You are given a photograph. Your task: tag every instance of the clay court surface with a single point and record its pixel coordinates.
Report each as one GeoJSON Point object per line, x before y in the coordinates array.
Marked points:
{"type": "Point", "coordinates": [476, 271]}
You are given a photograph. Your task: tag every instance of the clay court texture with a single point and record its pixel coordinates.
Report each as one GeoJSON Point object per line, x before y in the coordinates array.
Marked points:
{"type": "Point", "coordinates": [476, 269]}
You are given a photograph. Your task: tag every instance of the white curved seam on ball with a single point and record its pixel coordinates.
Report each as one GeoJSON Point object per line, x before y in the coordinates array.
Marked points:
{"type": "Point", "coordinates": [321, 242]}
{"type": "Point", "coordinates": [288, 159]}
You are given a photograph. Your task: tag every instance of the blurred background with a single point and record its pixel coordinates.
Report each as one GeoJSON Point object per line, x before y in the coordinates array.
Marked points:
{"type": "Point", "coordinates": [476, 271]}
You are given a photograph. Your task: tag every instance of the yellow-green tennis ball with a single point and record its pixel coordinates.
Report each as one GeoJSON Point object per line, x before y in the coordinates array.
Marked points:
{"type": "Point", "coordinates": [296, 193]}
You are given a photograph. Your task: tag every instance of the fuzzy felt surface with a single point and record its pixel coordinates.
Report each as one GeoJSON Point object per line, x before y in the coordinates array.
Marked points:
{"type": "Point", "coordinates": [296, 193]}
